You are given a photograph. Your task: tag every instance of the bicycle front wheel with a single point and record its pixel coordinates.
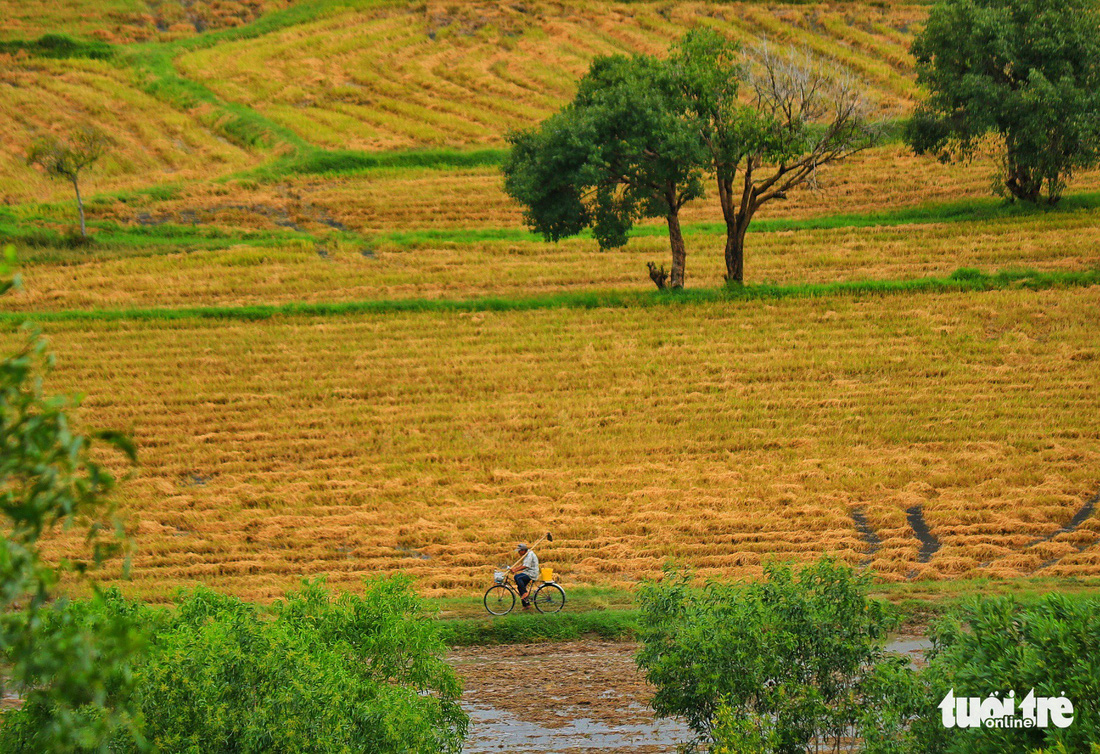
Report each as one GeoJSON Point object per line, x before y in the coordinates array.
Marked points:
{"type": "Point", "coordinates": [550, 598]}
{"type": "Point", "coordinates": [499, 600]}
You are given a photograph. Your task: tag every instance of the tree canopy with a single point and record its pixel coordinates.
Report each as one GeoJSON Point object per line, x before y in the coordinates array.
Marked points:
{"type": "Point", "coordinates": [620, 152]}
{"type": "Point", "coordinates": [1026, 72]}
{"type": "Point", "coordinates": [801, 114]}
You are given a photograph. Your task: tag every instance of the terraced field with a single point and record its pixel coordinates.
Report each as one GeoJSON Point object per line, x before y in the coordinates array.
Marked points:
{"type": "Point", "coordinates": [364, 75]}
{"type": "Point", "coordinates": [127, 20]}
{"type": "Point", "coordinates": [152, 143]}
{"type": "Point", "coordinates": [924, 435]}
{"type": "Point", "coordinates": [438, 73]}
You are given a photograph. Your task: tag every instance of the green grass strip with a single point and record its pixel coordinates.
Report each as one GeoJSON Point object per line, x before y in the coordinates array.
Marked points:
{"type": "Point", "coordinates": [114, 240]}
{"type": "Point", "coordinates": [524, 628]}
{"type": "Point", "coordinates": [239, 123]}
{"type": "Point", "coordinates": [346, 162]}
{"type": "Point", "coordinates": [349, 162]}
{"type": "Point", "coordinates": [962, 280]}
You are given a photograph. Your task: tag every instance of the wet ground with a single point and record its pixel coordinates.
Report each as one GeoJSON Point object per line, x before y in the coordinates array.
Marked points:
{"type": "Point", "coordinates": [584, 697]}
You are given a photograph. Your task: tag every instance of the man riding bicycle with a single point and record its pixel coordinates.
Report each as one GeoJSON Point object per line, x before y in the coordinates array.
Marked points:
{"type": "Point", "coordinates": [526, 571]}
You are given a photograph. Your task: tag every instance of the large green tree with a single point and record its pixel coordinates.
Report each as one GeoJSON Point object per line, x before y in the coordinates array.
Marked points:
{"type": "Point", "coordinates": [801, 115]}
{"type": "Point", "coordinates": [621, 151]}
{"type": "Point", "coordinates": [1025, 71]}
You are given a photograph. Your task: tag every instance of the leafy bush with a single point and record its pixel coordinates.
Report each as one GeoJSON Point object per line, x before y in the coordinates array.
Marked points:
{"type": "Point", "coordinates": [1026, 72]}
{"type": "Point", "coordinates": [770, 666]}
{"type": "Point", "coordinates": [795, 664]}
{"type": "Point", "coordinates": [309, 674]}
{"type": "Point", "coordinates": [994, 647]}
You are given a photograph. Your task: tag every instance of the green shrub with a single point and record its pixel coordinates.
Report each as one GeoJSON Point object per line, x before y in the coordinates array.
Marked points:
{"type": "Point", "coordinates": [309, 674]}
{"type": "Point", "coordinates": [60, 47]}
{"type": "Point", "coordinates": [996, 646]}
{"type": "Point", "coordinates": [781, 663]}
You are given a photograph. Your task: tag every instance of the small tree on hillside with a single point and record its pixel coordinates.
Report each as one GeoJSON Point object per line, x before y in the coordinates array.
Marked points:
{"type": "Point", "coordinates": [804, 114]}
{"type": "Point", "coordinates": [68, 158]}
{"type": "Point", "coordinates": [620, 152]}
{"type": "Point", "coordinates": [1027, 71]}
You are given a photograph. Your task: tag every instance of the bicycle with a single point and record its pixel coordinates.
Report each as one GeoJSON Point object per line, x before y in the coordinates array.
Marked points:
{"type": "Point", "coordinates": [500, 598]}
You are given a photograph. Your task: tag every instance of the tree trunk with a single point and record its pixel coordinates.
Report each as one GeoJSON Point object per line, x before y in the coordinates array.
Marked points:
{"type": "Point", "coordinates": [735, 250]}
{"type": "Point", "coordinates": [737, 217]}
{"type": "Point", "coordinates": [80, 209]}
{"type": "Point", "coordinates": [679, 252]}
{"type": "Point", "coordinates": [1021, 183]}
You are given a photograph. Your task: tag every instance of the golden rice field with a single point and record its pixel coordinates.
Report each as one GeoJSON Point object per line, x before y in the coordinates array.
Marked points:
{"type": "Point", "coordinates": [437, 73]}
{"type": "Point", "coordinates": [720, 435]}
{"type": "Point", "coordinates": [246, 275]}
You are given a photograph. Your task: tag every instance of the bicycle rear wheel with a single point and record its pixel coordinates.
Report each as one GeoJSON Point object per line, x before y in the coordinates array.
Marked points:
{"type": "Point", "coordinates": [550, 598]}
{"type": "Point", "coordinates": [499, 599]}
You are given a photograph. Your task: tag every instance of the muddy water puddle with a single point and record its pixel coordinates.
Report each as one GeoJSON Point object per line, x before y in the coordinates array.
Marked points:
{"type": "Point", "coordinates": [561, 698]}
{"type": "Point", "coordinates": [573, 698]}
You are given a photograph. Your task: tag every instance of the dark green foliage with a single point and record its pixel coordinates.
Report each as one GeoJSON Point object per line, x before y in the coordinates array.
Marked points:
{"type": "Point", "coordinates": [996, 646]}
{"type": "Point", "coordinates": [640, 133]}
{"type": "Point", "coordinates": [309, 674]}
{"type": "Point", "coordinates": [1027, 71]}
{"type": "Point", "coordinates": [619, 152]}
{"type": "Point", "coordinates": [60, 47]}
{"type": "Point", "coordinates": [785, 659]}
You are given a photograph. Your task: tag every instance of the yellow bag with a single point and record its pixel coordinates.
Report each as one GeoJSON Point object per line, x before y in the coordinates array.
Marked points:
{"type": "Point", "coordinates": [546, 574]}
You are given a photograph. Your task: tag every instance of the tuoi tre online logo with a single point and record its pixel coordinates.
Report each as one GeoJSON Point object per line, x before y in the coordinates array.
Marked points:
{"type": "Point", "coordinates": [996, 712]}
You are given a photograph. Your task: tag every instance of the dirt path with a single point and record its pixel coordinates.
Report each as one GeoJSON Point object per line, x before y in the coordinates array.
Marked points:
{"type": "Point", "coordinates": [579, 697]}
